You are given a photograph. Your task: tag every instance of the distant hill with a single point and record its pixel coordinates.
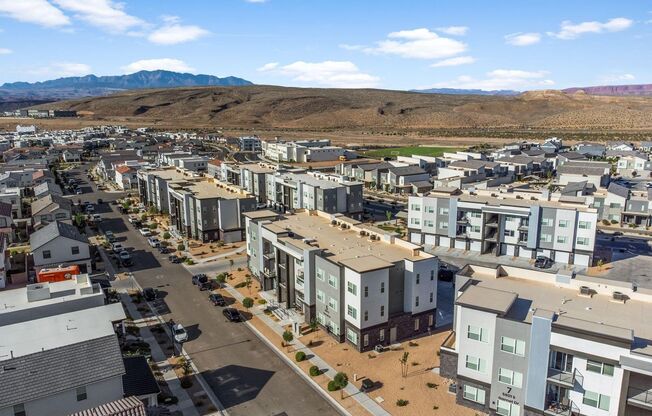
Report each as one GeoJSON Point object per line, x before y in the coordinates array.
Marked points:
{"type": "Point", "coordinates": [315, 109]}
{"type": "Point", "coordinates": [457, 91]}
{"type": "Point", "coordinates": [92, 85]}
{"type": "Point", "coordinates": [613, 90]}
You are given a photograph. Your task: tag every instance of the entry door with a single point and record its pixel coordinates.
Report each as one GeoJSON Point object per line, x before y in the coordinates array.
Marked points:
{"type": "Point", "coordinates": [392, 335]}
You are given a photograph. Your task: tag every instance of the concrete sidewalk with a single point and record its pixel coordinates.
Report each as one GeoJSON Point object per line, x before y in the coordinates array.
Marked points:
{"type": "Point", "coordinates": [362, 398]}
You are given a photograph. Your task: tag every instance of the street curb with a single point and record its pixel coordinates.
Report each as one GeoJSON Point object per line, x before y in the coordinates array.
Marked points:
{"type": "Point", "coordinates": [312, 383]}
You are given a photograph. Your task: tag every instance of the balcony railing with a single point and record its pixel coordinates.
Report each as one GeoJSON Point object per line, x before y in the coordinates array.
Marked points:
{"type": "Point", "coordinates": [565, 378]}
{"type": "Point", "coordinates": [562, 409]}
{"type": "Point", "coordinates": [449, 342]}
{"type": "Point", "coordinates": [639, 397]}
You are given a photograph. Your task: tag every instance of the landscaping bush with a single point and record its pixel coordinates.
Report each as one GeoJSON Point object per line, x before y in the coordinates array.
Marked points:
{"type": "Point", "coordinates": [614, 222]}
{"type": "Point", "coordinates": [153, 226]}
{"type": "Point", "coordinates": [605, 222]}
{"type": "Point", "coordinates": [181, 247]}
{"type": "Point", "coordinates": [186, 383]}
{"type": "Point", "coordinates": [247, 302]}
{"type": "Point", "coordinates": [333, 386]}
{"type": "Point", "coordinates": [189, 262]}
{"type": "Point", "coordinates": [402, 403]}
{"type": "Point", "coordinates": [143, 217]}
{"type": "Point", "coordinates": [166, 235]}
{"type": "Point", "coordinates": [300, 356]}
{"type": "Point", "coordinates": [221, 278]}
{"type": "Point", "coordinates": [262, 301]}
{"type": "Point", "coordinates": [314, 371]}
{"type": "Point", "coordinates": [239, 269]}
{"type": "Point", "coordinates": [341, 379]}
{"type": "Point", "coordinates": [241, 285]}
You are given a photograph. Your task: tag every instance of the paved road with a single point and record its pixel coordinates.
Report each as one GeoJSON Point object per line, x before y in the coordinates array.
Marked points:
{"type": "Point", "coordinates": [247, 377]}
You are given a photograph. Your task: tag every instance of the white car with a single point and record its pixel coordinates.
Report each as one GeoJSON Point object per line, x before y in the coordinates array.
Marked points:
{"type": "Point", "coordinates": [180, 334]}
{"type": "Point", "coordinates": [97, 218]}
{"type": "Point", "coordinates": [154, 242]}
{"type": "Point", "coordinates": [145, 232]}
{"type": "Point", "coordinates": [117, 247]}
{"type": "Point", "coordinates": [90, 208]}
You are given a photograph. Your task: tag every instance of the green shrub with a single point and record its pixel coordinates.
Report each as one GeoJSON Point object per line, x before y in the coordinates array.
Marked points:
{"type": "Point", "coordinates": [314, 371]}
{"type": "Point", "coordinates": [247, 302]}
{"type": "Point", "coordinates": [186, 383]}
{"type": "Point", "coordinates": [341, 379]}
{"type": "Point", "coordinates": [181, 247]}
{"type": "Point", "coordinates": [300, 356]}
{"type": "Point", "coordinates": [153, 226]}
{"type": "Point", "coordinates": [240, 285]}
{"type": "Point", "coordinates": [402, 403]}
{"type": "Point", "coordinates": [166, 235]}
{"type": "Point", "coordinates": [333, 386]}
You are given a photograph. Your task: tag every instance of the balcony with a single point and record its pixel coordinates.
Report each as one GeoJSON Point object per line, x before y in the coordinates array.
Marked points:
{"type": "Point", "coordinates": [524, 227]}
{"type": "Point", "coordinates": [269, 256]}
{"type": "Point", "coordinates": [565, 408]}
{"type": "Point", "coordinates": [564, 378]}
{"type": "Point", "coordinates": [449, 343]}
{"type": "Point", "coordinates": [639, 397]}
{"type": "Point", "coordinates": [462, 220]}
{"type": "Point", "coordinates": [492, 223]}
{"type": "Point", "coordinates": [269, 273]}
{"type": "Point", "coordinates": [493, 237]}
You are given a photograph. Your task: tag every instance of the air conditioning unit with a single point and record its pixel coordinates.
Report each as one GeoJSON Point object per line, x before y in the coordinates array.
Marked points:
{"type": "Point", "coordinates": [619, 297]}
{"type": "Point", "coordinates": [586, 291]}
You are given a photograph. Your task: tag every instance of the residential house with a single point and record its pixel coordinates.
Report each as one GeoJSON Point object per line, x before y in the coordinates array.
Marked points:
{"type": "Point", "coordinates": [591, 150]}
{"type": "Point", "coordinates": [51, 208]}
{"type": "Point", "coordinates": [597, 173]}
{"type": "Point", "coordinates": [620, 146]}
{"type": "Point", "coordinates": [126, 177]}
{"type": "Point", "coordinates": [47, 188]}
{"type": "Point", "coordinates": [60, 243]}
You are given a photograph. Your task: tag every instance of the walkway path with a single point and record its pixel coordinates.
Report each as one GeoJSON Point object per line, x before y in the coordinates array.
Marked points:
{"type": "Point", "coordinates": [362, 398]}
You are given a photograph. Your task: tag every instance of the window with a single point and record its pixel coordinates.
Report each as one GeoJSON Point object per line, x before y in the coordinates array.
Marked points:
{"type": "Point", "coordinates": [443, 211]}
{"type": "Point", "coordinates": [418, 277]}
{"type": "Point", "coordinates": [381, 335]}
{"type": "Point", "coordinates": [564, 223]}
{"type": "Point", "coordinates": [47, 254]}
{"type": "Point", "coordinates": [415, 207]}
{"type": "Point", "coordinates": [382, 310]}
{"type": "Point", "coordinates": [366, 291]}
{"type": "Point", "coordinates": [19, 410]}
{"type": "Point", "coordinates": [475, 228]}
{"type": "Point", "coordinates": [365, 340]}
{"type": "Point", "coordinates": [429, 223]}
{"type": "Point", "coordinates": [81, 394]}
{"type": "Point", "coordinates": [366, 315]}
{"type": "Point", "coordinates": [512, 346]}
{"type": "Point", "coordinates": [431, 297]}
{"type": "Point", "coordinates": [352, 288]}
{"type": "Point", "coordinates": [75, 250]}
{"type": "Point", "coordinates": [351, 311]}
{"type": "Point", "coordinates": [509, 377]}
{"type": "Point", "coordinates": [351, 336]}
{"type": "Point", "coordinates": [320, 296]}
{"type": "Point", "coordinates": [321, 275]}
{"type": "Point", "coordinates": [432, 275]}
{"type": "Point", "coordinates": [547, 222]}
{"type": "Point", "coordinates": [507, 409]}
{"type": "Point", "coordinates": [431, 320]}
{"type": "Point", "coordinates": [583, 241]}
{"type": "Point", "coordinates": [382, 287]}
{"type": "Point", "coordinates": [332, 303]}
{"type": "Point", "coordinates": [60, 216]}
{"type": "Point", "coordinates": [475, 214]}
{"type": "Point", "coordinates": [599, 367]}
{"type": "Point", "coordinates": [614, 205]}
{"type": "Point", "coordinates": [562, 239]}
{"type": "Point", "coordinates": [415, 221]}
{"type": "Point", "coordinates": [332, 280]}
{"type": "Point", "coordinates": [430, 209]}
{"type": "Point", "coordinates": [475, 364]}
{"type": "Point", "coordinates": [321, 319]}
{"type": "Point", "coordinates": [443, 225]}
{"type": "Point", "coordinates": [476, 333]}
{"type": "Point", "coordinates": [416, 301]}
{"type": "Point", "coordinates": [546, 238]}
{"type": "Point", "coordinates": [596, 400]}
{"type": "Point", "coordinates": [508, 233]}
{"type": "Point", "coordinates": [474, 394]}
{"type": "Point", "coordinates": [584, 225]}
{"type": "Point", "coordinates": [416, 324]}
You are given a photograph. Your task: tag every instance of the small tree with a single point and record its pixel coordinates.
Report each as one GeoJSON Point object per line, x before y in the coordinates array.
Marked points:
{"type": "Point", "coordinates": [153, 226]}
{"type": "Point", "coordinates": [313, 325]}
{"type": "Point", "coordinates": [166, 235]}
{"type": "Point", "coordinates": [600, 263]}
{"type": "Point", "coordinates": [247, 302]}
{"type": "Point", "coordinates": [221, 278]}
{"type": "Point", "coordinates": [288, 336]}
{"type": "Point", "coordinates": [388, 215]}
{"type": "Point", "coordinates": [143, 217]}
{"type": "Point", "coordinates": [80, 221]}
{"type": "Point", "coordinates": [248, 283]}
{"type": "Point", "coordinates": [404, 363]}
{"type": "Point", "coordinates": [181, 247]}
{"type": "Point", "coordinates": [341, 379]}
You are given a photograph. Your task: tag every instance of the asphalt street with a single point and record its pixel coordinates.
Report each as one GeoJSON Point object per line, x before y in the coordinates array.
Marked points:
{"type": "Point", "coordinates": [246, 376]}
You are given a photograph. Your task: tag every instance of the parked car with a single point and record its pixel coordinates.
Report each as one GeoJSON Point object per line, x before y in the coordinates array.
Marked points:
{"type": "Point", "coordinates": [231, 314]}
{"type": "Point", "coordinates": [109, 236]}
{"type": "Point", "coordinates": [174, 259]}
{"type": "Point", "coordinates": [117, 247]}
{"type": "Point", "coordinates": [543, 262]}
{"type": "Point", "coordinates": [180, 334]}
{"type": "Point", "coordinates": [217, 299]}
{"type": "Point", "coordinates": [150, 294]}
{"type": "Point", "coordinates": [125, 258]}
{"type": "Point", "coordinates": [154, 242]}
{"type": "Point", "coordinates": [145, 232]}
{"type": "Point", "coordinates": [97, 218]}
{"type": "Point", "coordinates": [79, 191]}
{"type": "Point", "coordinates": [199, 278]}
{"type": "Point", "coordinates": [163, 250]}
{"type": "Point", "coordinates": [207, 285]}
{"type": "Point", "coordinates": [99, 201]}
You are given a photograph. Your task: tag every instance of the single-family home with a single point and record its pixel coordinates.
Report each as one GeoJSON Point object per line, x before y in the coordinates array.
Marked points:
{"type": "Point", "coordinates": [51, 208]}
{"type": "Point", "coordinates": [60, 243]}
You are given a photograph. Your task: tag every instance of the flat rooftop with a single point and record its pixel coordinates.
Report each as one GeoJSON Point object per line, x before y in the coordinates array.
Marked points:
{"type": "Point", "coordinates": [206, 189]}
{"type": "Point", "coordinates": [59, 330]}
{"type": "Point", "coordinates": [598, 314]}
{"type": "Point", "coordinates": [341, 244]}
{"type": "Point", "coordinates": [169, 174]}
{"type": "Point", "coordinates": [311, 180]}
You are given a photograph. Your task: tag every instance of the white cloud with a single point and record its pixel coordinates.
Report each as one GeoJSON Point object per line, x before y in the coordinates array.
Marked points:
{"type": "Point", "coordinates": [500, 79]}
{"type": "Point", "coordinates": [61, 69]}
{"type": "Point", "coordinates": [256, 1]}
{"type": "Point", "coordinates": [523, 39]}
{"type": "Point", "coordinates": [460, 60]}
{"type": "Point", "coordinates": [617, 78]}
{"type": "Point", "coordinates": [454, 30]}
{"type": "Point", "coordinates": [167, 64]}
{"type": "Point", "coordinates": [173, 33]}
{"type": "Point", "coordinates": [418, 43]}
{"type": "Point", "coordinates": [105, 14]}
{"type": "Point", "coordinates": [338, 74]}
{"type": "Point", "coordinates": [40, 12]}
{"type": "Point", "coordinates": [351, 47]}
{"type": "Point", "coordinates": [570, 30]}
{"type": "Point", "coordinates": [5, 51]}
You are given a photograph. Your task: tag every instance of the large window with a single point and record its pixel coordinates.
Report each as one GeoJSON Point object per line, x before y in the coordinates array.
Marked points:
{"type": "Point", "coordinates": [474, 394]}
{"type": "Point", "coordinates": [596, 400]}
{"type": "Point", "coordinates": [505, 408]}
{"type": "Point", "coordinates": [47, 254]}
{"type": "Point", "coordinates": [75, 250]}
{"type": "Point", "coordinates": [509, 377]}
{"type": "Point", "coordinates": [320, 296]}
{"type": "Point", "coordinates": [562, 239]}
{"type": "Point", "coordinates": [476, 333]}
{"type": "Point", "coordinates": [512, 346]}
{"type": "Point", "coordinates": [476, 364]}
{"type": "Point", "coordinates": [548, 222]}
{"type": "Point", "coordinates": [599, 367]}
{"type": "Point", "coordinates": [564, 223]}
{"type": "Point", "coordinates": [332, 303]}
{"type": "Point", "coordinates": [443, 211]}
{"type": "Point", "coordinates": [583, 241]}
{"type": "Point", "coordinates": [546, 238]}
{"type": "Point", "coordinates": [351, 311]}
{"type": "Point", "coordinates": [351, 336]}
{"type": "Point", "coordinates": [332, 280]}
{"type": "Point", "coordinates": [584, 225]}
{"type": "Point", "coordinates": [321, 275]}
{"type": "Point", "coordinates": [415, 207]}
{"type": "Point", "coordinates": [19, 410]}
{"type": "Point", "coordinates": [352, 288]}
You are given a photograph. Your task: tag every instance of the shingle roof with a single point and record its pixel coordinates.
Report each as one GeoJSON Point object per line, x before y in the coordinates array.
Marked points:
{"type": "Point", "coordinates": [45, 373]}
{"type": "Point", "coordinates": [5, 209]}
{"type": "Point", "coordinates": [574, 187]}
{"type": "Point", "coordinates": [52, 231]}
{"type": "Point", "coordinates": [50, 199]}
{"type": "Point", "coordinates": [617, 189]}
{"type": "Point", "coordinates": [406, 170]}
{"type": "Point", "coordinates": [138, 379]}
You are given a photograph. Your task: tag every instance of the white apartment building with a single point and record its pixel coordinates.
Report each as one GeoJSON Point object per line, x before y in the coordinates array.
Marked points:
{"type": "Point", "coordinates": [533, 343]}
{"type": "Point", "coordinates": [302, 151]}
{"type": "Point", "coordinates": [364, 285]}
{"type": "Point", "coordinates": [510, 224]}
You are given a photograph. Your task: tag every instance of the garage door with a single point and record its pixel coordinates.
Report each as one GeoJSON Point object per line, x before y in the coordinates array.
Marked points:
{"type": "Point", "coordinates": [461, 244]}
{"type": "Point", "coordinates": [509, 250]}
{"type": "Point", "coordinates": [415, 238]}
{"type": "Point", "coordinates": [561, 257]}
{"type": "Point", "coordinates": [581, 259]}
{"type": "Point", "coordinates": [476, 246]}
{"type": "Point", "coordinates": [444, 242]}
{"type": "Point", "coordinates": [525, 253]}
{"type": "Point", "coordinates": [429, 240]}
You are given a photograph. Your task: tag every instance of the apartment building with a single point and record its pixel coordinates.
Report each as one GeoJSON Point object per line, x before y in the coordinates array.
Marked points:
{"type": "Point", "coordinates": [298, 190]}
{"type": "Point", "coordinates": [249, 143]}
{"type": "Point", "coordinates": [507, 224]}
{"type": "Point", "coordinates": [302, 151]}
{"type": "Point", "coordinates": [249, 176]}
{"type": "Point", "coordinates": [364, 285]}
{"type": "Point", "coordinates": [535, 343]}
{"type": "Point", "coordinates": [207, 210]}
{"type": "Point", "coordinates": [153, 185]}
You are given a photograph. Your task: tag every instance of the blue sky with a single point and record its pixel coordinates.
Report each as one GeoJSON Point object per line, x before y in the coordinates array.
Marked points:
{"type": "Point", "coordinates": [385, 44]}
